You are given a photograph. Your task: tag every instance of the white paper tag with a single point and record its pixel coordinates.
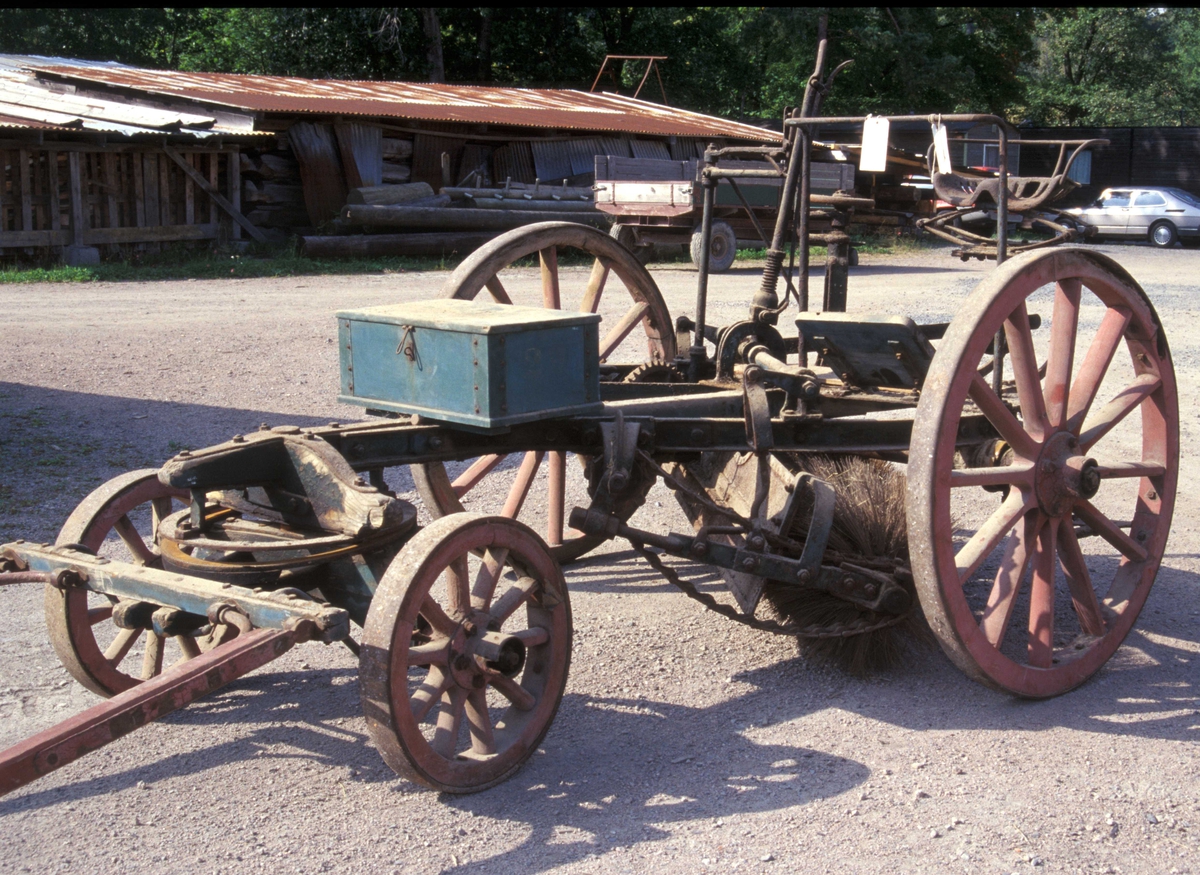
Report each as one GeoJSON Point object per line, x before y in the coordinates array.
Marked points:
{"type": "Point", "coordinates": [941, 149]}
{"type": "Point", "coordinates": [874, 145]}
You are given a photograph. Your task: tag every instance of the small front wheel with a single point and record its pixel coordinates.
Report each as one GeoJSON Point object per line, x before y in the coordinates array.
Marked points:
{"type": "Point", "coordinates": [465, 652]}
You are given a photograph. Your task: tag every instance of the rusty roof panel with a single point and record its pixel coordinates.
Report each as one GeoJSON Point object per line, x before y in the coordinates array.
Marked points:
{"type": "Point", "coordinates": [8, 121]}
{"type": "Point", "coordinates": [523, 107]}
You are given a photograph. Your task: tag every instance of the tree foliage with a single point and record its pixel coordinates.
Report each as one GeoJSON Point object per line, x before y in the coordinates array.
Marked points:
{"type": "Point", "coordinates": [1049, 65]}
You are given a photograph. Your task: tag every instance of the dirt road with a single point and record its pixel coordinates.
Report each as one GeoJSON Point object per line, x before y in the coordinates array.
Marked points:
{"type": "Point", "coordinates": [684, 743]}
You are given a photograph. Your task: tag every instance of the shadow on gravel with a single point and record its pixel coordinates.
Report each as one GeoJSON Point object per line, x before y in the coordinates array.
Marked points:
{"type": "Point", "coordinates": [647, 786]}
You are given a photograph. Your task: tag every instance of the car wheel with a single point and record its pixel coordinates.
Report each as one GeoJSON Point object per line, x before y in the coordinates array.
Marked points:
{"type": "Point", "coordinates": [1162, 235]}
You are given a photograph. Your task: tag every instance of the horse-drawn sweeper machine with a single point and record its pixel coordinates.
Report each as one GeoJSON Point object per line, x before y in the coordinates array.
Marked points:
{"type": "Point", "coordinates": [1007, 478]}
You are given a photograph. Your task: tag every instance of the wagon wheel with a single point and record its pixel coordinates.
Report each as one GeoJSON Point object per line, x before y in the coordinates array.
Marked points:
{"type": "Point", "coordinates": [122, 515]}
{"type": "Point", "coordinates": [443, 495]}
{"type": "Point", "coordinates": [460, 708]}
{"type": "Point", "coordinates": [1025, 602]}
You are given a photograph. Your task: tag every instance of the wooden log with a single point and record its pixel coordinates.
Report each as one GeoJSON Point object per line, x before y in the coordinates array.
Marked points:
{"type": "Point", "coordinates": [377, 245]}
{"type": "Point", "coordinates": [461, 219]}
{"type": "Point", "coordinates": [274, 167]}
{"type": "Point", "coordinates": [272, 193]}
{"type": "Point", "coordinates": [385, 195]}
{"type": "Point", "coordinates": [488, 203]}
{"type": "Point", "coordinates": [578, 194]}
{"type": "Point", "coordinates": [397, 150]}
{"type": "Point", "coordinates": [395, 174]}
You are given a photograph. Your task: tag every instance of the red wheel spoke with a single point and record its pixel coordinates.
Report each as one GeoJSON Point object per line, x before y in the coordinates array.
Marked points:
{"type": "Point", "coordinates": [486, 578]}
{"type": "Point", "coordinates": [991, 533]}
{"type": "Point", "coordinates": [1063, 329]}
{"type": "Point", "coordinates": [621, 330]}
{"type": "Point", "coordinates": [142, 555]}
{"type": "Point", "coordinates": [437, 618]}
{"type": "Point", "coordinates": [152, 658]}
{"type": "Point", "coordinates": [595, 287]}
{"type": "Point", "coordinates": [458, 587]}
{"type": "Point", "coordinates": [533, 636]}
{"type": "Point", "coordinates": [1007, 584]}
{"type": "Point", "coordinates": [160, 509]}
{"type": "Point", "coordinates": [1095, 364]}
{"type": "Point", "coordinates": [1079, 580]}
{"type": "Point", "coordinates": [520, 487]}
{"type": "Point", "coordinates": [480, 468]}
{"type": "Point", "coordinates": [189, 647]}
{"type": "Point", "coordinates": [521, 698]}
{"type": "Point", "coordinates": [1020, 474]}
{"type": "Point", "coordinates": [427, 695]}
{"type": "Point", "coordinates": [445, 737]}
{"type": "Point", "coordinates": [497, 290]}
{"type": "Point", "coordinates": [432, 653]}
{"type": "Point", "coordinates": [556, 507]}
{"type": "Point", "coordinates": [99, 615]}
{"type": "Point", "coordinates": [1115, 470]}
{"type": "Point", "coordinates": [121, 646]}
{"type": "Point", "coordinates": [512, 599]}
{"type": "Point", "coordinates": [479, 724]}
{"type": "Point", "coordinates": [1108, 530]}
{"type": "Point", "coordinates": [1110, 415]}
{"type": "Point", "coordinates": [1041, 598]}
{"type": "Point", "coordinates": [1025, 370]}
{"type": "Point", "coordinates": [551, 296]}
{"type": "Point", "coordinates": [1002, 419]}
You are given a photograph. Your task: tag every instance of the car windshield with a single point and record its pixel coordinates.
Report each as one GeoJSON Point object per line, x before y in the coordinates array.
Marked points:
{"type": "Point", "coordinates": [1184, 196]}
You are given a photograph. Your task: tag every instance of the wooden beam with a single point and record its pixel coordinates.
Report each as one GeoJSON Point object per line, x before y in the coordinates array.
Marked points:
{"type": "Point", "coordinates": [26, 192]}
{"type": "Point", "coordinates": [78, 208]}
{"type": "Point", "coordinates": [157, 234]}
{"type": "Point", "coordinates": [212, 192]}
{"type": "Point", "coordinates": [21, 239]}
{"type": "Point", "coordinates": [233, 163]}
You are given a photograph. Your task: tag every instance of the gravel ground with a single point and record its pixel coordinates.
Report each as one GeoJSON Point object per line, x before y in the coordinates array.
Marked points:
{"type": "Point", "coordinates": [684, 743]}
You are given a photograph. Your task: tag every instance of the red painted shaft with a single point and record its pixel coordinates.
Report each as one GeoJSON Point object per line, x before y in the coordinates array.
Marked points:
{"type": "Point", "coordinates": [137, 706]}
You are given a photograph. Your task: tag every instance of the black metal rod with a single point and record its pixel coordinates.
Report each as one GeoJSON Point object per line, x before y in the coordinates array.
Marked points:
{"type": "Point", "coordinates": [696, 354]}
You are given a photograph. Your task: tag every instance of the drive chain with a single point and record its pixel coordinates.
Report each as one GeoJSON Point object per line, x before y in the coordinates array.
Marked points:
{"type": "Point", "coordinates": [812, 631]}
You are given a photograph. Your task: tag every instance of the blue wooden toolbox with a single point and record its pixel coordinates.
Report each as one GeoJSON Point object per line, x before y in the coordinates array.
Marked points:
{"type": "Point", "coordinates": [478, 364]}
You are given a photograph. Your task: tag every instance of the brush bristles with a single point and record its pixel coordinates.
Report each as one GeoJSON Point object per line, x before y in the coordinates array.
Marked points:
{"type": "Point", "coordinates": [868, 524]}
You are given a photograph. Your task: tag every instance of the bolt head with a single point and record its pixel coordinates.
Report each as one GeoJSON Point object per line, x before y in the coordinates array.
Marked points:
{"type": "Point", "coordinates": [803, 575]}
{"type": "Point", "coordinates": [469, 627]}
{"type": "Point", "coordinates": [699, 548]}
{"type": "Point", "coordinates": [749, 562]}
{"type": "Point", "coordinates": [435, 442]}
{"type": "Point", "coordinates": [756, 542]}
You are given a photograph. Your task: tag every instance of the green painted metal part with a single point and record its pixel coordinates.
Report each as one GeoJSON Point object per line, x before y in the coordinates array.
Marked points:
{"type": "Point", "coordinates": [489, 366]}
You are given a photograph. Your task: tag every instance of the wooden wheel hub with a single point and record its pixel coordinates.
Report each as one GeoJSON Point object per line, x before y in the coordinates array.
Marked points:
{"type": "Point", "coordinates": [476, 655]}
{"type": "Point", "coordinates": [1062, 476]}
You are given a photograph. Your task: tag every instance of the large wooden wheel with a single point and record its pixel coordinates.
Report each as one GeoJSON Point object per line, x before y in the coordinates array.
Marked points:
{"type": "Point", "coordinates": [465, 652]}
{"type": "Point", "coordinates": [504, 483]}
{"type": "Point", "coordinates": [1033, 596]}
{"type": "Point", "coordinates": [120, 519]}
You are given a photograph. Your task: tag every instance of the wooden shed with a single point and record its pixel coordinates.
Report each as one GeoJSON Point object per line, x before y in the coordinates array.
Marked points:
{"type": "Point", "coordinates": [82, 175]}
{"type": "Point", "coordinates": [330, 136]}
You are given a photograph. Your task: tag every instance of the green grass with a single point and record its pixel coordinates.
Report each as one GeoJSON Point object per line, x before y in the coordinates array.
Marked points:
{"type": "Point", "coordinates": [180, 263]}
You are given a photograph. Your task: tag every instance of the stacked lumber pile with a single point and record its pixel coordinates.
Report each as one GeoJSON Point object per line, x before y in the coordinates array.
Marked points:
{"type": "Point", "coordinates": [410, 219]}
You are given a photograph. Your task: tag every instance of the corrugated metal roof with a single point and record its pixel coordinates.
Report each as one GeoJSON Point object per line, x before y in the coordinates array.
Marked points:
{"type": "Point", "coordinates": [8, 121]}
{"type": "Point", "coordinates": [526, 107]}
{"type": "Point", "coordinates": [28, 99]}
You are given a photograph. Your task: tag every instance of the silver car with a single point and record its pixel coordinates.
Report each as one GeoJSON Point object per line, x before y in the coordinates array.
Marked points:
{"type": "Point", "coordinates": [1159, 215]}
